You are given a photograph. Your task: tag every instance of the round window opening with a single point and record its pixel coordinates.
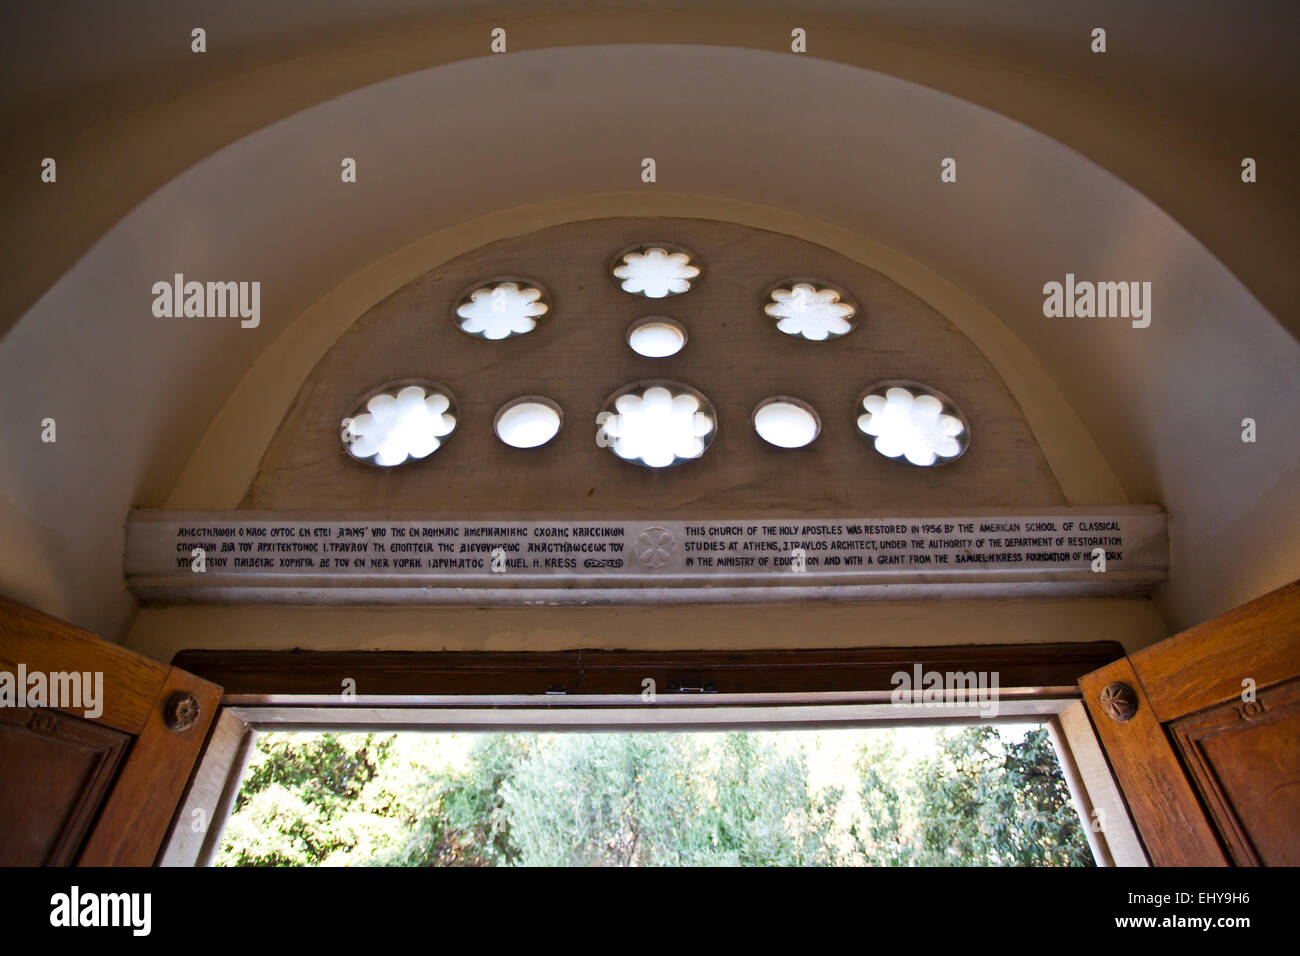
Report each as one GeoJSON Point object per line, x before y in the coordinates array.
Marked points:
{"type": "Point", "coordinates": [786, 422]}
{"type": "Point", "coordinates": [528, 422]}
{"type": "Point", "coordinates": [656, 424]}
{"type": "Point", "coordinates": [911, 422]}
{"type": "Point", "coordinates": [656, 336]}
{"type": "Point", "coordinates": [399, 422]}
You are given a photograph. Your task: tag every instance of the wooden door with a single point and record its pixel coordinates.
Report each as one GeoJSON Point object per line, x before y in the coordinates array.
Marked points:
{"type": "Point", "coordinates": [1203, 734]}
{"type": "Point", "coordinates": [96, 744]}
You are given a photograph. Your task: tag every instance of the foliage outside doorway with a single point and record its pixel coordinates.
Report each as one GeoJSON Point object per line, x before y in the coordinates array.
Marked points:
{"type": "Point", "coordinates": [982, 795]}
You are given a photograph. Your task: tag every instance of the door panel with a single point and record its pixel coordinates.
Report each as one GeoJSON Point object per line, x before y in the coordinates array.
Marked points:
{"type": "Point", "coordinates": [1242, 759]}
{"type": "Point", "coordinates": [96, 790]}
{"type": "Point", "coordinates": [67, 765]}
{"type": "Point", "coordinates": [1202, 732]}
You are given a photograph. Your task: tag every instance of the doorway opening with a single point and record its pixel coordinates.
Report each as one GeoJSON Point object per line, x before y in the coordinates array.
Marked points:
{"type": "Point", "coordinates": [835, 757]}
{"type": "Point", "coordinates": [982, 794]}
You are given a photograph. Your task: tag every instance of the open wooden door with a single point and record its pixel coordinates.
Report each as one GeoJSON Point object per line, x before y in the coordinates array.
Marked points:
{"type": "Point", "coordinates": [91, 767]}
{"type": "Point", "coordinates": [1203, 734]}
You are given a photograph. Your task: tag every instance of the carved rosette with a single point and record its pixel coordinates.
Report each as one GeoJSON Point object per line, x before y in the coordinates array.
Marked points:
{"type": "Point", "coordinates": [1119, 701]}
{"type": "Point", "coordinates": [180, 711]}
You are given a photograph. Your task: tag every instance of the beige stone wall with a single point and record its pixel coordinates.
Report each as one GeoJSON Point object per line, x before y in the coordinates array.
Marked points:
{"type": "Point", "coordinates": [412, 327]}
{"type": "Point", "coordinates": [578, 355]}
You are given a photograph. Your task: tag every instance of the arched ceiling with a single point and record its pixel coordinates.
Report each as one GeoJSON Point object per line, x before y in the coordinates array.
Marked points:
{"type": "Point", "coordinates": [842, 150]}
{"type": "Point", "coordinates": [1183, 92]}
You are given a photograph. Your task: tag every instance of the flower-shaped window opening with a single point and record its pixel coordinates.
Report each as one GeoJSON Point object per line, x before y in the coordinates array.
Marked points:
{"type": "Point", "coordinates": [501, 310]}
{"type": "Point", "coordinates": [803, 310]}
{"type": "Point", "coordinates": [658, 426]}
{"type": "Point", "coordinates": [655, 272]}
{"type": "Point", "coordinates": [910, 423]}
{"type": "Point", "coordinates": [395, 427]}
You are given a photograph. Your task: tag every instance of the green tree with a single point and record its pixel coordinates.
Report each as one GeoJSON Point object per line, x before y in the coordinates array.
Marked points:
{"type": "Point", "coordinates": [764, 813]}
{"type": "Point", "coordinates": [881, 833]}
{"type": "Point", "coordinates": [605, 800]}
{"type": "Point", "coordinates": [666, 800]}
{"type": "Point", "coordinates": [460, 818]}
{"type": "Point", "coordinates": [296, 795]}
{"type": "Point", "coordinates": [989, 802]}
{"type": "Point", "coordinates": [656, 799]}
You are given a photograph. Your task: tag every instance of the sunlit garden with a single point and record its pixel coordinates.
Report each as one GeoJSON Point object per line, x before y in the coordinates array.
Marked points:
{"type": "Point", "coordinates": [982, 795]}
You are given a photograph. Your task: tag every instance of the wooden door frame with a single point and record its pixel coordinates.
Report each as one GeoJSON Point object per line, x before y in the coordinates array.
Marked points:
{"type": "Point", "coordinates": [297, 677]}
{"type": "Point", "coordinates": [1198, 669]}
{"type": "Point", "coordinates": [140, 698]}
{"type": "Point", "coordinates": [601, 690]}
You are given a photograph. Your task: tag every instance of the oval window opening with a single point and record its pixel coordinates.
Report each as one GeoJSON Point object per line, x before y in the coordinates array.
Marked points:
{"type": "Point", "coordinates": [656, 337]}
{"type": "Point", "coordinates": [528, 422]}
{"type": "Point", "coordinates": [786, 422]}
